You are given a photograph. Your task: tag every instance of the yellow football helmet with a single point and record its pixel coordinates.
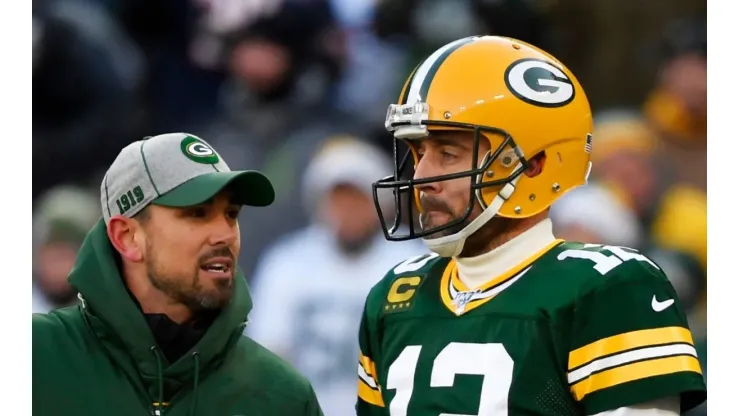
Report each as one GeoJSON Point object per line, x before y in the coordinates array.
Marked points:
{"type": "Point", "coordinates": [519, 98]}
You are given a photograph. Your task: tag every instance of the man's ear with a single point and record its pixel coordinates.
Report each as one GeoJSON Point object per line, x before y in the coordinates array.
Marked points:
{"type": "Point", "coordinates": [121, 233]}
{"type": "Point", "coordinates": [536, 164]}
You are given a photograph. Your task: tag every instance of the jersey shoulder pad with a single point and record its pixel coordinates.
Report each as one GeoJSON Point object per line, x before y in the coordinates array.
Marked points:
{"type": "Point", "coordinates": [399, 285]}
{"type": "Point", "coordinates": [629, 341]}
{"type": "Point", "coordinates": [596, 265]}
{"type": "Point", "coordinates": [423, 264]}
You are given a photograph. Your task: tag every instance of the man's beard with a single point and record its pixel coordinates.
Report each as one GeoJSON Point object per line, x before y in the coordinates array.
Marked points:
{"type": "Point", "coordinates": [190, 292]}
{"type": "Point", "coordinates": [478, 242]}
{"type": "Point", "coordinates": [430, 204]}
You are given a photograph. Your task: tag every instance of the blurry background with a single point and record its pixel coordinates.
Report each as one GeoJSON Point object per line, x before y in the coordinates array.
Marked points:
{"type": "Point", "coordinates": [299, 90]}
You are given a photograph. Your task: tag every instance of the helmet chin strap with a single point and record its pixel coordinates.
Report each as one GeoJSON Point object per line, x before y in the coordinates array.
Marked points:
{"type": "Point", "coordinates": [452, 245]}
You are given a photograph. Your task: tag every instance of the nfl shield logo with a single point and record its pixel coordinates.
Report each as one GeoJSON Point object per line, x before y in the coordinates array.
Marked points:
{"type": "Point", "coordinates": [462, 299]}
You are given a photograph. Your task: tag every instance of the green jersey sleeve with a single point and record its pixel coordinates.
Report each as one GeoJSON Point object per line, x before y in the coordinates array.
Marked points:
{"type": "Point", "coordinates": [630, 340]}
{"type": "Point", "coordinates": [391, 295]}
{"type": "Point", "coordinates": [369, 398]}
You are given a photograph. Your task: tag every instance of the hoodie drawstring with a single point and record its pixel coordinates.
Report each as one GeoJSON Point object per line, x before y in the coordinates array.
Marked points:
{"type": "Point", "coordinates": [196, 375]}
{"type": "Point", "coordinates": [160, 379]}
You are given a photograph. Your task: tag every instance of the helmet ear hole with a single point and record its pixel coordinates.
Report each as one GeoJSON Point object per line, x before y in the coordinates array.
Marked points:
{"type": "Point", "coordinates": [536, 164]}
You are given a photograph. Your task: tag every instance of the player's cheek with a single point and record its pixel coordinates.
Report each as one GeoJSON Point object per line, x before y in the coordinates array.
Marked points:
{"type": "Point", "coordinates": [462, 195]}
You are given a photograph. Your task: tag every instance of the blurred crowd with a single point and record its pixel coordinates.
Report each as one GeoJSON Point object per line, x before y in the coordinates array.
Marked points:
{"type": "Point", "coordinates": [299, 89]}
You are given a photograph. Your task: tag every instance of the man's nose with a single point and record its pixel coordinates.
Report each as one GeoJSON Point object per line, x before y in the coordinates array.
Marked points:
{"type": "Point", "coordinates": [425, 169]}
{"type": "Point", "coordinates": [225, 231]}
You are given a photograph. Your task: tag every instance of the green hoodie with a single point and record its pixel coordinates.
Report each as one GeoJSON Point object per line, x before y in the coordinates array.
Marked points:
{"type": "Point", "coordinates": [101, 358]}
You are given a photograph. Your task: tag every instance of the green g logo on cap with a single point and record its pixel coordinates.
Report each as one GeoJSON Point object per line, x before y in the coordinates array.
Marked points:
{"type": "Point", "coordinates": [197, 151]}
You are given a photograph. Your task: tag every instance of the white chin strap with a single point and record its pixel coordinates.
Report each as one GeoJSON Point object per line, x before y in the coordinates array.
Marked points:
{"type": "Point", "coordinates": [452, 245]}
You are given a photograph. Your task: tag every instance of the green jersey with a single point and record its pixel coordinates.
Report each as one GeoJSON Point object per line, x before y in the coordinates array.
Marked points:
{"type": "Point", "coordinates": [577, 330]}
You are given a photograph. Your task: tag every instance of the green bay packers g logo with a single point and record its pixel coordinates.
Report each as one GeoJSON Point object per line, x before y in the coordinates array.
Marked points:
{"type": "Point", "coordinates": [197, 151]}
{"type": "Point", "coordinates": [539, 83]}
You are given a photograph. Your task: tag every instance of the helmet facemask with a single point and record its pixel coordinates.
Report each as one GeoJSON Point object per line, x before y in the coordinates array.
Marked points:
{"type": "Point", "coordinates": [409, 124]}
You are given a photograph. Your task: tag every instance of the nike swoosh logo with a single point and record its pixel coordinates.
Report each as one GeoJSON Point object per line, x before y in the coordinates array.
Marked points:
{"type": "Point", "coordinates": [661, 306]}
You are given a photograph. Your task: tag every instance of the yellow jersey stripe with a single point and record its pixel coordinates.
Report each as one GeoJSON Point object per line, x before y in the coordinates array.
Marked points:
{"type": "Point", "coordinates": [635, 371]}
{"type": "Point", "coordinates": [444, 285]}
{"type": "Point", "coordinates": [628, 341]}
{"type": "Point", "coordinates": [369, 380]}
{"type": "Point", "coordinates": [369, 367]}
{"type": "Point", "coordinates": [632, 356]}
{"type": "Point", "coordinates": [369, 395]}
{"type": "Point", "coordinates": [456, 282]}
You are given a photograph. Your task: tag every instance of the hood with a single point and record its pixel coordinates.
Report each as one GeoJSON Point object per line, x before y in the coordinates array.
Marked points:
{"type": "Point", "coordinates": [121, 327]}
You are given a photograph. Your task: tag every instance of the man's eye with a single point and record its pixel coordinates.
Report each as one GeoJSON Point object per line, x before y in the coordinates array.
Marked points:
{"type": "Point", "coordinates": [233, 213]}
{"type": "Point", "coordinates": [197, 212]}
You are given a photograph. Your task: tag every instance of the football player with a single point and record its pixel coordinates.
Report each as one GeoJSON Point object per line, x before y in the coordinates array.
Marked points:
{"type": "Point", "coordinates": [502, 318]}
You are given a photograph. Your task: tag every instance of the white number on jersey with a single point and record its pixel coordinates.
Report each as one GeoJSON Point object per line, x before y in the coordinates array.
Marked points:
{"type": "Point", "coordinates": [489, 360]}
{"type": "Point", "coordinates": [603, 263]}
{"type": "Point", "coordinates": [415, 263]}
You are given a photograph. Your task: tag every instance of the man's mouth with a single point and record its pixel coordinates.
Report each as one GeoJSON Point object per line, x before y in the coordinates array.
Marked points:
{"type": "Point", "coordinates": [218, 266]}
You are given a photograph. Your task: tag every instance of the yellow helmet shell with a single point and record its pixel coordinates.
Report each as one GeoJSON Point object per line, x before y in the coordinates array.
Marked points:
{"type": "Point", "coordinates": [511, 86]}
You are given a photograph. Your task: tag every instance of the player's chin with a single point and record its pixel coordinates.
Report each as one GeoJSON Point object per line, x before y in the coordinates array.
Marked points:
{"type": "Point", "coordinates": [442, 221]}
{"type": "Point", "coordinates": [439, 234]}
{"type": "Point", "coordinates": [433, 218]}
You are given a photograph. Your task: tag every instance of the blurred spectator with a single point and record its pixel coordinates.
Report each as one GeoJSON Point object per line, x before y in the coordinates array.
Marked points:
{"type": "Point", "coordinates": [291, 52]}
{"type": "Point", "coordinates": [677, 105]}
{"type": "Point", "coordinates": [593, 214]}
{"type": "Point", "coordinates": [60, 222]}
{"type": "Point", "coordinates": [278, 108]}
{"type": "Point", "coordinates": [372, 67]}
{"type": "Point", "coordinates": [611, 44]}
{"type": "Point", "coordinates": [178, 91]}
{"type": "Point", "coordinates": [429, 24]}
{"type": "Point", "coordinates": [681, 222]}
{"type": "Point", "coordinates": [86, 74]}
{"type": "Point", "coordinates": [310, 287]}
{"type": "Point", "coordinates": [623, 160]}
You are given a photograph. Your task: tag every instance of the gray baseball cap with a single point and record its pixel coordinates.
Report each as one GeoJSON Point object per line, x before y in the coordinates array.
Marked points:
{"type": "Point", "coordinates": [175, 170]}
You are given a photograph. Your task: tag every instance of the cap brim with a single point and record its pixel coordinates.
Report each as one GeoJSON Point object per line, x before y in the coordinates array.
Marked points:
{"type": "Point", "coordinates": [247, 188]}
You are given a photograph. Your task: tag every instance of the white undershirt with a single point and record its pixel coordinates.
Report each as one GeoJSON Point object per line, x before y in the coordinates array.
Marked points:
{"type": "Point", "coordinates": [476, 271]}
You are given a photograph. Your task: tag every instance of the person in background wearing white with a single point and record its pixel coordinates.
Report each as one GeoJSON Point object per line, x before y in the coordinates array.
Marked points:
{"type": "Point", "coordinates": [310, 287]}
